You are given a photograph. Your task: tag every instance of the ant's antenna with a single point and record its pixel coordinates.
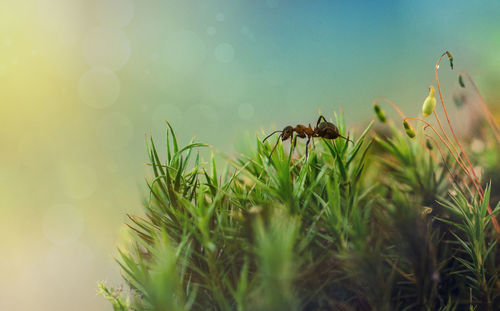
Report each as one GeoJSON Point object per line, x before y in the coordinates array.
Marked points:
{"type": "Point", "coordinates": [271, 135]}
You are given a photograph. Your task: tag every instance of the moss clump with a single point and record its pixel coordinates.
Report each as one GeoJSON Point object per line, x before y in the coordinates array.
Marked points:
{"type": "Point", "coordinates": [379, 224]}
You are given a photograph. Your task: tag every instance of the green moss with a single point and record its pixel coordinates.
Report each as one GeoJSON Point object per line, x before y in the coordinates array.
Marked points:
{"type": "Point", "coordinates": [351, 225]}
{"type": "Point", "coordinates": [382, 223]}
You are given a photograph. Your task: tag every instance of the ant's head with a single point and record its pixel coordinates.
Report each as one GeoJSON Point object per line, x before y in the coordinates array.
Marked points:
{"type": "Point", "coordinates": [328, 130]}
{"type": "Point", "coordinates": [286, 133]}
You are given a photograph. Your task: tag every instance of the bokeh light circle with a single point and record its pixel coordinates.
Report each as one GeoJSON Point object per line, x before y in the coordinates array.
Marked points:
{"type": "Point", "coordinates": [224, 52]}
{"type": "Point", "coordinates": [211, 31]}
{"type": "Point", "coordinates": [246, 111]}
{"type": "Point", "coordinates": [106, 47]}
{"type": "Point", "coordinates": [115, 130]}
{"type": "Point", "coordinates": [99, 88]}
{"type": "Point", "coordinates": [247, 33]}
{"type": "Point", "coordinates": [220, 17]}
{"type": "Point", "coordinates": [62, 17]}
{"type": "Point", "coordinates": [117, 13]}
{"type": "Point", "coordinates": [184, 51]}
{"type": "Point", "coordinates": [62, 224]}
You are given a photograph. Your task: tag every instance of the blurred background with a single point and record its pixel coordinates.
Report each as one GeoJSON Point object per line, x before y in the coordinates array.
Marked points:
{"type": "Point", "coordinates": [82, 82]}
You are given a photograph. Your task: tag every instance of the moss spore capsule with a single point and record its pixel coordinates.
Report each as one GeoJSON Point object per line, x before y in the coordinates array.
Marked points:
{"type": "Point", "coordinates": [450, 58]}
{"type": "Point", "coordinates": [461, 81]}
{"type": "Point", "coordinates": [408, 129]}
{"type": "Point", "coordinates": [428, 144]}
{"type": "Point", "coordinates": [379, 112]}
{"type": "Point", "coordinates": [429, 103]}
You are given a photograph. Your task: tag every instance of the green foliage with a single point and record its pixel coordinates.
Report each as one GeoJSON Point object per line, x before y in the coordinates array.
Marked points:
{"type": "Point", "coordinates": [471, 222]}
{"type": "Point", "coordinates": [355, 226]}
{"type": "Point", "coordinates": [413, 168]}
{"type": "Point", "coordinates": [114, 297]}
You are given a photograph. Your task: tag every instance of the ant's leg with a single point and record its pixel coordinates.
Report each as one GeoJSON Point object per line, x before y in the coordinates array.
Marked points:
{"type": "Point", "coordinates": [294, 144]}
{"type": "Point", "coordinates": [319, 120]}
{"type": "Point", "coordinates": [307, 146]}
{"type": "Point", "coordinates": [346, 138]}
{"type": "Point", "coordinates": [277, 142]}
{"type": "Point", "coordinates": [313, 136]}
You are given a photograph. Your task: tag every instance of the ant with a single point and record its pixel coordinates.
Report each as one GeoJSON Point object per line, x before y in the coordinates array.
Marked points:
{"type": "Point", "coordinates": [323, 129]}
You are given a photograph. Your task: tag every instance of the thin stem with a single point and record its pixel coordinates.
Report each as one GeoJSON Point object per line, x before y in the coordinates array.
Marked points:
{"type": "Point", "coordinates": [481, 193]}
{"type": "Point", "coordinates": [447, 145]}
{"type": "Point", "coordinates": [425, 144]}
{"type": "Point", "coordinates": [390, 102]}
{"type": "Point", "coordinates": [477, 186]}
{"type": "Point", "coordinates": [443, 158]}
{"type": "Point", "coordinates": [486, 110]}
{"type": "Point", "coordinates": [454, 149]}
{"type": "Point", "coordinates": [451, 127]}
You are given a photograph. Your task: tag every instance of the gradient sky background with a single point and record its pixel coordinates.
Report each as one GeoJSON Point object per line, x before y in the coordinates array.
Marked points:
{"type": "Point", "coordinates": [82, 82]}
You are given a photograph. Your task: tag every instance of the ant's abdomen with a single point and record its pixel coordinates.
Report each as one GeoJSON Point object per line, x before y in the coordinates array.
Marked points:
{"type": "Point", "coordinates": [328, 130]}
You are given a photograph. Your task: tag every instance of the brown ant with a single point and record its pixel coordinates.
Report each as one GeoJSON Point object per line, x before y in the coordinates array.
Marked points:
{"type": "Point", "coordinates": [323, 129]}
